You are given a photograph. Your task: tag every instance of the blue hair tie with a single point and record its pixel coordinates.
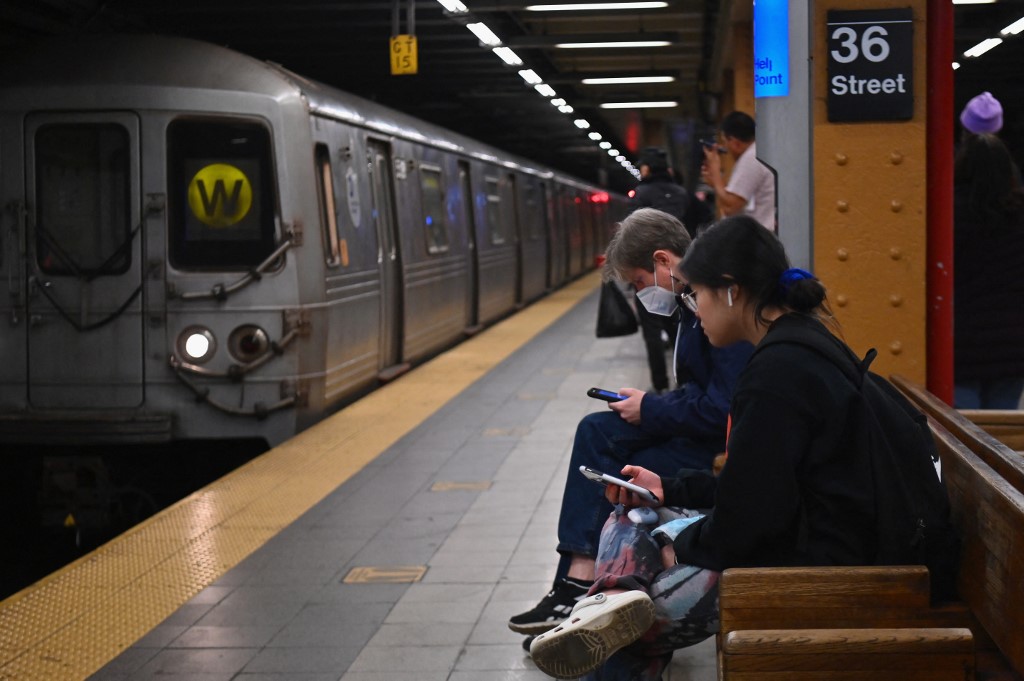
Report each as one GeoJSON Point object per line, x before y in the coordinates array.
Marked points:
{"type": "Point", "coordinates": [792, 275]}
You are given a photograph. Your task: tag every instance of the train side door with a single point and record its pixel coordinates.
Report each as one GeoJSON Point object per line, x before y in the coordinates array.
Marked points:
{"type": "Point", "coordinates": [85, 271]}
{"type": "Point", "coordinates": [388, 257]}
{"type": "Point", "coordinates": [466, 206]}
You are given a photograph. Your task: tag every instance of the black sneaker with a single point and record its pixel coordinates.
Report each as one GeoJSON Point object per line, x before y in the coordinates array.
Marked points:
{"type": "Point", "coordinates": [526, 643]}
{"type": "Point", "coordinates": [552, 609]}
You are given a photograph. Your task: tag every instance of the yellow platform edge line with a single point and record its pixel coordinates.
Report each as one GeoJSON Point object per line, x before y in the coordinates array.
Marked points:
{"type": "Point", "coordinates": [72, 622]}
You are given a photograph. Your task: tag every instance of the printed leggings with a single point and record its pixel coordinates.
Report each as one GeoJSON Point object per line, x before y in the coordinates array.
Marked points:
{"type": "Point", "coordinates": [685, 598]}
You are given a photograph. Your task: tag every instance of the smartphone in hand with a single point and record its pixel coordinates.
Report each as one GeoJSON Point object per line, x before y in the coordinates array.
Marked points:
{"type": "Point", "coordinates": [606, 395]}
{"type": "Point", "coordinates": [605, 479]}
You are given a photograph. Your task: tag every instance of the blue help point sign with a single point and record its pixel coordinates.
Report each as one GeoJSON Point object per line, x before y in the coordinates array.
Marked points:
{"type": "Point", "coordinates": [771, 48]}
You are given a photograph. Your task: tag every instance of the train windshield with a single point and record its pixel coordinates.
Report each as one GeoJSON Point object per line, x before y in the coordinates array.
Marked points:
{"type": "Point", "coordinates": [222, 203]}
{"type": "Point", "coordinates": [83, 194]}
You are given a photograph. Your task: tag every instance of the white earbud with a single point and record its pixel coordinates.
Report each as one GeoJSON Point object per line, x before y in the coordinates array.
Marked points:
{"type": "Point", "coordinates": [728, 293]}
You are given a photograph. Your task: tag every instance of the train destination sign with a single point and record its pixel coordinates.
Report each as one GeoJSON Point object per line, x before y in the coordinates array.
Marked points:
{"type": "Point", "coordinates": [870, 65]}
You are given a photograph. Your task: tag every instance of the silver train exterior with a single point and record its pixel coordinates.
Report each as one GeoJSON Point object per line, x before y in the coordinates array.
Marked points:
{"type": "Point", "coordinates": [198, 244]}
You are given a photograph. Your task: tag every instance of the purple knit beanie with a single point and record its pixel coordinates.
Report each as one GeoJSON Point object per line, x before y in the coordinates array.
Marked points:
{"type": "Point", "coordinates": [982, 114]}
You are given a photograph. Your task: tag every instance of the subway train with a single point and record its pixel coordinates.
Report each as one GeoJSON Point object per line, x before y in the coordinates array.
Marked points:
{"type": "Point", "coordinates": [197, 244]}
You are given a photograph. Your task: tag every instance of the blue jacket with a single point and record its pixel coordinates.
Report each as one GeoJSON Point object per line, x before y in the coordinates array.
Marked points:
{"type": "Point", "coordinates": [699, 409]}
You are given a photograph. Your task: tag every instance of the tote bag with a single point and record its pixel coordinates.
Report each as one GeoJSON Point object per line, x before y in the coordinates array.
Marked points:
{"type": "Point", "coordinates": [615, 316]}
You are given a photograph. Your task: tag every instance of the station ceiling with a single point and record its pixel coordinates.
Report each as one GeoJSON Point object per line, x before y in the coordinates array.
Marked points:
{"type": "Point", "coordinates": [465, 87]}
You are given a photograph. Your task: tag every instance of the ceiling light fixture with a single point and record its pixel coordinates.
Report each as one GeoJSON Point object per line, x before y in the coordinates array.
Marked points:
{"type": "Point", "coordinates": [595, 136]}
{"type": "Point", "coordinates": [639, 105]}
{"type": "Point", "coordinates": [582, 123]}
{"type": "Point", "coordinates": [508, 56]}
{"type": "Point", "coordinates": [629, 79]}
{"type": "Point", "coordinates": [605, 145]}
{"type": "Point", "coordinates": [983, 47]}
{"type": "Point", "coordinates": [558, 102]}
{"type": "Point", "coordinates": [973, 2]}
{"type": "Point", "coordinates": [453, 6]}
{"type": "Point", "coordinates": [545, 89]}
{"type": "Point", "coordinates": [484, 34]}
{"type": "Point", "coordinates": [956, 65]}
{"type": "Point", "coordinates": [613, 152]}
{"type": "Point", "coordinates": [566, 109]}
{"type": "Point", "coordinates": [531, 77]}
{"type": "Point", "coordinates": [587, 6]}
{"type": "Point", "coordinates": [615, 44]}
{"type": "Point", "coordinates": [1014, 28]}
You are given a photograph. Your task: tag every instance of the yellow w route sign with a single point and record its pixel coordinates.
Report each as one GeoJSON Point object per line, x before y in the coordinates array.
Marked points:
{"type": "Point", "coordinates": [403, 55]}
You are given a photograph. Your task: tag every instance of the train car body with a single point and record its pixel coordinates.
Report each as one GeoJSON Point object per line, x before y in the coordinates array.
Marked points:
{"type": "Point", "coordinates": [197, 244]}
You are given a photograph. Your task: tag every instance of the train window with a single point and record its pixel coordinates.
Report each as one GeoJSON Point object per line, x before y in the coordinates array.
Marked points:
{"type": "Point", "coordinates": [325, 188]}
{"type": "Point", "coordinates": [83, 197]}
{"type": "Point", "coordinates": [433, 208]}
{"type": "Point", "coordinates": [221, 187]}
{"type": "Point", "coordinates": [495, 222]}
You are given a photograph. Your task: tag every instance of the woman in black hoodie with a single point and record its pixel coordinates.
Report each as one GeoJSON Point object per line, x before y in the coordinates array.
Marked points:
{"type": "Point", "coordinates": [794, 490]}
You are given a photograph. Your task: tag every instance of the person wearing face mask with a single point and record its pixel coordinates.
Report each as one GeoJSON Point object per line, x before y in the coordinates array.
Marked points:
{"type": "Point", "coordinates": [684, 428]}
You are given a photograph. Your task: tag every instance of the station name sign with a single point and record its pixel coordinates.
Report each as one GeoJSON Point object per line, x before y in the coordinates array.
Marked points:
{"type": "Point", "coordinates": [870, 65]}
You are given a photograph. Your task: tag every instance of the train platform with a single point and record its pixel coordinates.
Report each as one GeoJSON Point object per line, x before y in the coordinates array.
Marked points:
{"type": "Point", "coordinates": [390, 542]}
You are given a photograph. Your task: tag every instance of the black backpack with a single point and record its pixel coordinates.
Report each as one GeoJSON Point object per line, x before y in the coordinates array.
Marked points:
{"type": "Point", "coordinates": [911, 504]}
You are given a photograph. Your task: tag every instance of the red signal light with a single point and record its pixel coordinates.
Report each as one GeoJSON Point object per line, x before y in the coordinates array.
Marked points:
{"type": "Point", "coordinates": [599, 197]}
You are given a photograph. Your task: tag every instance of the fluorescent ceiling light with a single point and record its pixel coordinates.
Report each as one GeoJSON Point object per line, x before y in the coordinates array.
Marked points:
{"type": "Point", "coordinates": [453, 6]}
{"type": "Point", "coordinates": [582, 123]}
{"type": "Point", "coordinates": [623, 43]}
{"type": "Point", "coordinates": [566, 109]}
{"type": "Point", "coordinates": [585, 6]}
{"type": "Point", "coordinates": [639, 105]}
{"type": "Point", "coordinates": [1014, 28]}
{"type": "Point", "coordinates": [983, 47]}
{"type": "Point", "coordinates": [485, 34]}
{"type": "Point", "coordinates": [531, 77]}
{"type": "Point", "coordinates": [973, 2]}
{"type": "Point", "coordinates": [508, 56]}
{"type": "Point", "coordinates": [620, 158]}
{"type": "Point", "coordinates": [594, 136]}
{"type": "Point", "coordinates": [629, 79]}
{"type": "Point", "coordinates": [545, 89]}
{"type": "Point", "coordinates": [613, 152]}
{"type": "Point", "coordinates": [558, 102]}
{"type": "Point", "coordinates": [956, 65]}
{"type": "Point", "coordinates": [605, 145]}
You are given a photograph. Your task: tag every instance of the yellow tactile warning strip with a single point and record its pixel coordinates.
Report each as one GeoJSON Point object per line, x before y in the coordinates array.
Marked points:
{"type": "Point", "coordinates": [398, 574]}
{"type": "Point", "coordinates": [74, 621]}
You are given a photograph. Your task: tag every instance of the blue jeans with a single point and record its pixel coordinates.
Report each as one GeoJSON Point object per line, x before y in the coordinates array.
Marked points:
{"type": "Point", "coordinates": [605, 442]}
{"type": "Point", "coordinates": [994, 393]}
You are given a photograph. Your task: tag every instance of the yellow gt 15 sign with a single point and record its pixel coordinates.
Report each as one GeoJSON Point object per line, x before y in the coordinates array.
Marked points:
{"type": "Point", "coordinates": [403, 55]}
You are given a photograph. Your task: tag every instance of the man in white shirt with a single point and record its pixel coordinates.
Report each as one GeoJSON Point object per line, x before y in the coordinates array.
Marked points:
{"type": "Point", "coordinates": [751, 187]}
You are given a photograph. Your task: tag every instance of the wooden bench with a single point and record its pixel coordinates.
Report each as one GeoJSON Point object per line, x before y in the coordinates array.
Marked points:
{"type": "Point", "coordinates": [876, 623]}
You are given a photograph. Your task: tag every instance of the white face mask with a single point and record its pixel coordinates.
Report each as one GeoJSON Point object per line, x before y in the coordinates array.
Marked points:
{"type": "Point", "coordinates": [657, 300]}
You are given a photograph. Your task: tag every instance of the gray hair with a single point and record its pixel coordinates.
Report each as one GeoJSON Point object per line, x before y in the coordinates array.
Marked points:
{"type": "Point", "coordinates": [643, 232]}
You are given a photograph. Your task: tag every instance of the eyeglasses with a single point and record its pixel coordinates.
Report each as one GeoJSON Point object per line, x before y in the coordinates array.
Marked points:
{"type": "Point", "coordinates": [689, 298]}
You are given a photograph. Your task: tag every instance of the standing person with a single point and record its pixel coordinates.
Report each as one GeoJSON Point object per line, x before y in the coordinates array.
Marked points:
{"type": "Point", "coordinates": [683, 428]}
{"type": "Point", "coordinates": [797, 488]}
{"type": "Point", "coordinates": [982, 115]}
{"type": "Point", "coordinates": [988, 286]}
{"type": "Point", "coordinates": [751, 187]}
{"type": "Point", "coordinates": [658, 189]}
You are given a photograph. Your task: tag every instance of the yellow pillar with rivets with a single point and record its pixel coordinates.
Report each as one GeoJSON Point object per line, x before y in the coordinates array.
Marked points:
{"type": "Point", "coordinates": [870, 232]}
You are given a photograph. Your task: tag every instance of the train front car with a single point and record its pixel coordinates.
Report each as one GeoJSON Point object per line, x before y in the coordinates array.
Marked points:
{"type": "Point", "coordinates": [151, 244]}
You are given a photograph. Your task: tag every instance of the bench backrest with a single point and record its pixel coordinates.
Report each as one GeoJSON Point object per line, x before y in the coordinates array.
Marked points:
{"type": "Point", "coordinates": [1005, 425]}
{"type": "Point", "coordinates": [988, 510]}
{"type": "Point", "coordinates": [1006, 462]}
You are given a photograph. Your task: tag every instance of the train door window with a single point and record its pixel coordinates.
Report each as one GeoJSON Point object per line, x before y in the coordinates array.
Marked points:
{"type": "Point", "coordinates": [495, 223]}
{"type": "Point", "coordinates": [221, 187]}
{"type": "Point", "coordinates": [83, 192]}
{"type": "Point", "coordinates": [329, 214]}
{"type": "Point", "coordinates": [432, 194]}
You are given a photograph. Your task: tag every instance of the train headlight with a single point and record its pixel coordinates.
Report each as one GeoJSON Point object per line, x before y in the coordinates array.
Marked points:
{"type": "Point", "coordinates": [197, 344]}
{"type": "Point", "coordinates": [248, 342]}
